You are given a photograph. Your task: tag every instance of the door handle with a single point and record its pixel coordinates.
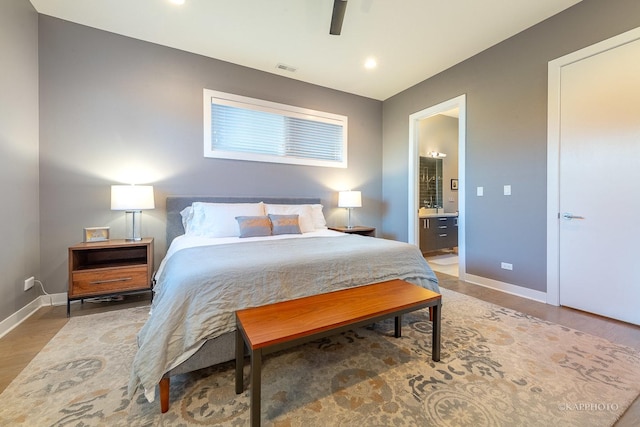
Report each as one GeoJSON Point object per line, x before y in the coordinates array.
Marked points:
{"type": "Point", "coordinates": [569, 216]}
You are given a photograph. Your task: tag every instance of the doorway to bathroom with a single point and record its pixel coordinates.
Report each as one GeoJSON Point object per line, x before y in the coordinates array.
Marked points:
{"type": "Point", "coordinates": [436, 185]}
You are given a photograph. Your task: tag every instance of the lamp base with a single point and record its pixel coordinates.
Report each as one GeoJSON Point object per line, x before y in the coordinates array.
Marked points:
{"type": "Point", "coordinates": [133, 225]}
{"type": "Point", "coordinates": [349, 226]}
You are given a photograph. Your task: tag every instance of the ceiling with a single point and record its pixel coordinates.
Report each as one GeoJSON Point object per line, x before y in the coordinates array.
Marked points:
{"type": "Point", "coordinates": [411, 40]}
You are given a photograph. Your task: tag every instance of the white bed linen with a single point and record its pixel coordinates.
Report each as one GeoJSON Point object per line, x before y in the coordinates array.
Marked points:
{"type": "Point", "coordinates": [191, 260]}
{"type": "Point", "coordinates": [190, 241]}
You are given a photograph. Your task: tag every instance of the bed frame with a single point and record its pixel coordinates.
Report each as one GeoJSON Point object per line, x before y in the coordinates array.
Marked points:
{"type": "Point", "coordinates": [222, 348]}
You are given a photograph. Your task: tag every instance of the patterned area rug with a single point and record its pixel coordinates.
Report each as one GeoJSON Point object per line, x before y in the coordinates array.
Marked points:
{"type": "Point", "coordinates": [498, 368]}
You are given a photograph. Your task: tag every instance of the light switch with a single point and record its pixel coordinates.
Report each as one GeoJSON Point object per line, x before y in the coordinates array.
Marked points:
{"type": "Point", "coordinates": [480, 191]}
{"type": "Point", "coordinates": [507, 190]}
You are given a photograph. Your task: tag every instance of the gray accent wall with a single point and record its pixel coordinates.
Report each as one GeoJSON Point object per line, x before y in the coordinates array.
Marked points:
{"type": "Point", "coordinates": [119, 110]}
{"type": "Point", "coordinates": [506, 88]}
{"type": "Point", "coordinates": [19, 219]}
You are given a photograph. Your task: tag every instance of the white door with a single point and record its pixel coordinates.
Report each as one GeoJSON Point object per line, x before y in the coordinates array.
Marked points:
{"type": "Point", "coordinates": [599, 176]}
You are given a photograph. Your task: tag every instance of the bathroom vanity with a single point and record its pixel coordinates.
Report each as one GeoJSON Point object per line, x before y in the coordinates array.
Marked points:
{"type": "Point", "coordinates": [438, 231]}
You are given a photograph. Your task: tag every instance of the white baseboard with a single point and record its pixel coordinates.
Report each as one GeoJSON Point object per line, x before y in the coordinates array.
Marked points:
{"type": "Point", "coordinates": [11, 322]}
{"type": "Point", "coordinates": [507, 288]}
{"type": "Point", "coordinates": [54, 299]}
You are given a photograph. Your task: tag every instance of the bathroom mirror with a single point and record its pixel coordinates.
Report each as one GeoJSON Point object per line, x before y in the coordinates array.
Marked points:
{"type": "Point", "coordinates": [430, 183]}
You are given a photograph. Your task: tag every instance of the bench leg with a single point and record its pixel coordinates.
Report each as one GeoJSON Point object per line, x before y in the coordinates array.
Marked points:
{"type": "Point", "coordinates": [398, 329]}
{"type": "Point", "coordinates": [239, 360]}
{"type": "Point", "coordinates": [164, 394]}
{"type": "Point", "coordinates": [256, 368]}
{"type": "Point", "coordinates": [436, 328]}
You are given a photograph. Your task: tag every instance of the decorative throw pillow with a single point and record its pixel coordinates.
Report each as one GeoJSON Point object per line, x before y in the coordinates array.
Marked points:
{"type": "Point", "coordinates": [284, 224]}
{"type": "Point", "coordinates": [254, 226]}
{"type": "Point", "coordinates": [305, 220]}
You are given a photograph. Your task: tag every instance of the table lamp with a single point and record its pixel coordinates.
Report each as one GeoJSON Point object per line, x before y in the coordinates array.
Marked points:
{"type": "Point", "coordinates": [132, 199]}
{"type": "Point", "coordinates": [349, 200]}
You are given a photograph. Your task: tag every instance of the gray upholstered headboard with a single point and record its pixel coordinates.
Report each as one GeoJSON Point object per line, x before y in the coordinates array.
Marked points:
{"type": "Point", "coordinates": [175, 204]}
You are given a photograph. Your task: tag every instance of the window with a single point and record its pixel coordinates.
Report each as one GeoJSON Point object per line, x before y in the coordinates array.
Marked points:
{"type": "Point", "coordinates": [241, 128]}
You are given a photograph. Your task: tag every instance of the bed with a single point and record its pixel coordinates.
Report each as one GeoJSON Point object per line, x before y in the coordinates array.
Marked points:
{"type": "Point", "coordinates": [227, 259]}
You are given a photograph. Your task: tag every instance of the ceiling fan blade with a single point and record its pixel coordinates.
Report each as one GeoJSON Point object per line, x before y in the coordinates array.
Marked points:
{"type": "Point", "coordinates": [339, 8]}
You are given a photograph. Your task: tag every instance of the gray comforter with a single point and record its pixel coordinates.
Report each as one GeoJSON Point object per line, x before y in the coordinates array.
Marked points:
{"type": "Point", "coordinates": [200, 288]}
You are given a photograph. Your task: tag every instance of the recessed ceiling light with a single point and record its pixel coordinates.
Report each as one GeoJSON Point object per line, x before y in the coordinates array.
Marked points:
{"type": "Point", "coordinates": [370, 63]}
{"type": "Point", "coordinates": [178, 2]}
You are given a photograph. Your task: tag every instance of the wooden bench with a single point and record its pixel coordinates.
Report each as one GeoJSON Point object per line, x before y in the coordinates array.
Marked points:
{"type": "Point", "coordinates": [273, 327]}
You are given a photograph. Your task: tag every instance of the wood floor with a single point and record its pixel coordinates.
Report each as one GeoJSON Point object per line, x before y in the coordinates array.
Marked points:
{"type": "Point", "coordinates": [19, 346]}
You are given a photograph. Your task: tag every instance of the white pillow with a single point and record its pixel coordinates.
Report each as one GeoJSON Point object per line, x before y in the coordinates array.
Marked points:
{"type": "Point", "coordinates": [319, 222]}
{"type": "Point", "coordinates": [219, 219]}
{"type": "Point", "coordinates": [304, 213]}
{"type": "Point", "coordinates": [187, 216]}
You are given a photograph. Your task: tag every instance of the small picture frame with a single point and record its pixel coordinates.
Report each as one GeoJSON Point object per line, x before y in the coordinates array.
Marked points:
{"type": "Point", "coordinates": [454, 184]}
{"type": "Point", "coordinates": [95, 234]}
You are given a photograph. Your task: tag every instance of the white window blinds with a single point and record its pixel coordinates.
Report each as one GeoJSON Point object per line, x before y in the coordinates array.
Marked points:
{"type": "Point", "coordinates": [242, 128]}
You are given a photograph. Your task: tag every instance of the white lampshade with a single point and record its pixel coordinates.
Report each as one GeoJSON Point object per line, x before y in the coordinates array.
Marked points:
{"type": "Point", "coordinates": [132, 197]}
{"type": "Point", "coordinates": [349, 199]}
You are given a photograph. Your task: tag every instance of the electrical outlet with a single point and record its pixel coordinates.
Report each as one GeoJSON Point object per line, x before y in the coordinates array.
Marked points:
{"type": "Point", "coordinates": [506, 266]}
{"type": "Point", "coordinates": [28, 284]}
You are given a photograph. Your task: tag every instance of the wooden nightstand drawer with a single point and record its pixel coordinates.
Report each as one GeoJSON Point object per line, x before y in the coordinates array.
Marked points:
{"type": "Point", "coordinates": [96, 282]}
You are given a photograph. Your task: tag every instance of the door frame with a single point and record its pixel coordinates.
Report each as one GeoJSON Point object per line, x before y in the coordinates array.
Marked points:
{"type": "Point", "coordinates": [553, 152]}
{"type": "Point", "coordinates": [459, 102]}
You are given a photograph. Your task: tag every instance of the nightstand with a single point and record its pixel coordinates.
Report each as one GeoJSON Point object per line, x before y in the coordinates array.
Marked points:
{"type": "Point", "coordinates": [112, 267]}
{"type": "Point", "coordinates": [356, 229]}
